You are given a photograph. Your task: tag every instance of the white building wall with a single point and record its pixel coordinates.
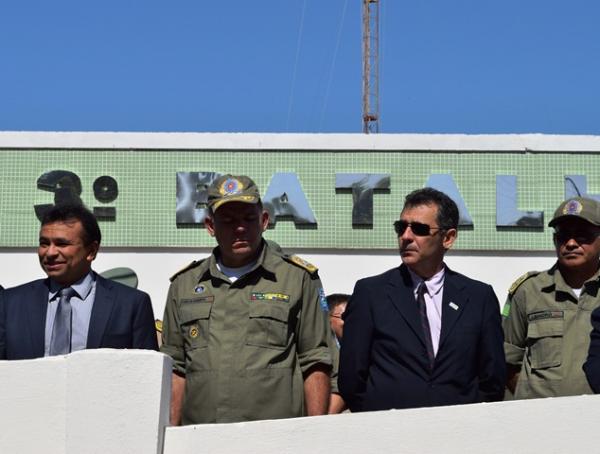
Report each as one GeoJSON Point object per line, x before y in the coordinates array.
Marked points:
{"type": "Point", "coordinates": [117, 401]}
{"type": "Point", "coordinates": [339, 270]}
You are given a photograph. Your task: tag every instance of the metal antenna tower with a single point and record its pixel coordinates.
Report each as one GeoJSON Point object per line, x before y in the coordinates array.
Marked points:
{"type": "Point", "coordinates": [370, 47]}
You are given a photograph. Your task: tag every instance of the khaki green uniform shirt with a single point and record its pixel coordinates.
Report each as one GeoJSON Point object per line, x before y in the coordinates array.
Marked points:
{"type": "Point", "coordinates": [243, 347]}
{"type": "Point", "coordinates": [547, 333]}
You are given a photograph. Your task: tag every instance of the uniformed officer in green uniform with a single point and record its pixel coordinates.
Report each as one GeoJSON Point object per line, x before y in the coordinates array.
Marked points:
{"type": "Point", "coordinates": [247, 327]}
{"type": "Point", "coordinates": [546, 318]}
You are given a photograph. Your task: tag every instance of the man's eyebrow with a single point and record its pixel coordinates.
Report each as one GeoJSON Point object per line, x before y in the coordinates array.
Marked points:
{"type": "Point", "coordinates": [56, 240]}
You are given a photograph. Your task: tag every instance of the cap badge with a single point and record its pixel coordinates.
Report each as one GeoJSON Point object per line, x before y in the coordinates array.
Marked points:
{"type": "Point", "coordinates": [573, 207]}
{"type": "Point", "coordinates": [231, 186]}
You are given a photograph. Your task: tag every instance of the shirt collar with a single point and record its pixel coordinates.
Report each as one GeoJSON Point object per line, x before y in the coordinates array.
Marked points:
{"type": "Point", "coordinates": [562, 286]}
{"type": "Point", "coordinates": [82, 287]}
{"type": "Point", "coordinates": [262, 260]}
{"type": "Point", "coordinates": [434, 283]}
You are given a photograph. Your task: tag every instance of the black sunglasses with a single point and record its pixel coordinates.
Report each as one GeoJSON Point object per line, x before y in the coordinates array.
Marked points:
{"type": "Point", "coordinates": [580, 237]}
{"type": "Point", "coordinates": [418, 228]}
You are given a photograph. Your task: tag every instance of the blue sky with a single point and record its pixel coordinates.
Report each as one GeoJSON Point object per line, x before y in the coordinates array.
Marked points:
{"type": "Point", "coordinates": [477, 66]}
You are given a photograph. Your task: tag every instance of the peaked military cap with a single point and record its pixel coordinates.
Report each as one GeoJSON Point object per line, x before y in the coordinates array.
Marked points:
{"type": "Point", "coordinates": [580, 207]}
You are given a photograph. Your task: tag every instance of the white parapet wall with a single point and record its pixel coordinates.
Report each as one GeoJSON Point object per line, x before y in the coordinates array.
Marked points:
{"type": "Point", "coordinates": [116, 402]}
{"type": "Point", "coordinates": [560, 425]}
{"type": "Point", "coordinates": [93, 401]}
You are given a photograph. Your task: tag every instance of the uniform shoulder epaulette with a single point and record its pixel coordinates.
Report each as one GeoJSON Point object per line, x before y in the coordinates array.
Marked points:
{"type": "Point", "coordinates": [301, 263]}
{"type": "Point", "coordinates": [513, 288]}
{"type": "Point", "coordinates": [189, 266]}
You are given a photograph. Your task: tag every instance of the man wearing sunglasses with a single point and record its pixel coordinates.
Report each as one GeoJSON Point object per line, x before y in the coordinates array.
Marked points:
{"type": "Point", "coordinates": [546, 317]}
{"type": "Point", "coordinates": [422, 335]}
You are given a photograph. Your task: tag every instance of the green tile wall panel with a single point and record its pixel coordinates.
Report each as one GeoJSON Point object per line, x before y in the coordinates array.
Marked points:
{"type": "Point", "coordinates": [147, 183]}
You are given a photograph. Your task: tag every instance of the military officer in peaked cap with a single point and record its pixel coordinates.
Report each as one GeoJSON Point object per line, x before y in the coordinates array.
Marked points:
{"type": "Point", "coordinates": [246, 327]}
{"type": "Point", "coordinates": [546, 318]}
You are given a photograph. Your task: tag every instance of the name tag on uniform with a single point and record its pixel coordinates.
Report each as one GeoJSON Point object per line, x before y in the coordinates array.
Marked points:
{"type": "Point", "coordinates": [201, 299]}
{"type": "Point", "coordinates": [542, 315]}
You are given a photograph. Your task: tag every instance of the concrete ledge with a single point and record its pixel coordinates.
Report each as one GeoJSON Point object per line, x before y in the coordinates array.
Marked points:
{"type": "Point", "coordinates": [33, 406]}
{"type": "Point", "coordinates": [116, 401]}
{"type": "Point", "coordinates": [93, 401]}
{"type": "Point", "coordinates": [560, 425]}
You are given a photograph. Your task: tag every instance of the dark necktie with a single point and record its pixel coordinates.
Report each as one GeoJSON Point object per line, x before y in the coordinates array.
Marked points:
{"type": "Point", "coordinates": [425, 322]}
{"type": "Point", "coordinates": [60, 342]}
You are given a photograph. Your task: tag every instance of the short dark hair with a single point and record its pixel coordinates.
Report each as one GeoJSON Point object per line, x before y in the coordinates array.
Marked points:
{"type": "Point", "coordinates": [335, 299]}
{"type": "Point", "coordinates": [447, 216]}
{"type": "Point", "coordinates": [72, 212]}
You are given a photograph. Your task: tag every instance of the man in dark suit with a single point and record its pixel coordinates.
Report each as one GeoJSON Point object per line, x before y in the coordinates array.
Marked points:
{"type": "Point", "coordinates": [592, 365]}
{"type": "Point", "coordinates": [74, 308]}
{"type": "Point", "coordinates": [422, 335]}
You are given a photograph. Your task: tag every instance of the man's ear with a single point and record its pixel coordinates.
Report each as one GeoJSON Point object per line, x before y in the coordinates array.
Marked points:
{"type": "Point", "coordinates": [449, 238]}
{"type": "Point", "coordinates": [264, 220]}
{"type": "Point", "coordinates": [209, 223]}
{"type": "Point", "coordinates": [93, 251]}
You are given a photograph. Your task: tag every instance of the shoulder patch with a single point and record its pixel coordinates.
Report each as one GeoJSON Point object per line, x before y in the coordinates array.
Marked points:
{"type": "Point", "coordinates": [302, 263]}
{"type": "Point", "coordinates": [513, 288]}
{"type": "Point", "coordinates": [323, 300]}
{"type": "Point", "coordinates": [158, 325]}
{"type": "Point", "coordinates": [189, 266]}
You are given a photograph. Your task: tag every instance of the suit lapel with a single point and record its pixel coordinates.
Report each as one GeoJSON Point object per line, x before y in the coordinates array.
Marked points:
{"type": "Point", "coordinates": [454, 301]}
{"type": "Point", "coordinates": [37, 304]}
{"type": "Point", "coordinates": [103, 304]}
{"type": "Point", "coordinates": [401, 293]}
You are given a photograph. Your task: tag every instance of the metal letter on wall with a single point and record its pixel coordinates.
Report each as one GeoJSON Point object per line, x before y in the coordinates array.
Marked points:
{"type": "Point", "coordinates": [576, 186]}
{"type": "Point", "coordinates": [192, 196]}
{"type": "Point", "coordinates": [363, 186]}
{"type": "Point", "coordinates": [106, 190]}
{"type": "Point", "coordinates": [65, 185]}
{"type": "Point", "coordinates": [285, 199]}
{"type": "Point", "coordinates": [507, 213]}
{"type": "Point", "coordinates": [445, 183]}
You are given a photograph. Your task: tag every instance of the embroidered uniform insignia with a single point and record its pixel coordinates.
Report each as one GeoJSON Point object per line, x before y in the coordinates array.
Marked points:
{"type": "Point", "coordinates": [573, 207]}
{"type": "Point", "coordinates": [256, 296]}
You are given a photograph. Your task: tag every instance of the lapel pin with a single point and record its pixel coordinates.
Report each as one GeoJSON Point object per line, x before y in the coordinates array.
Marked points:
{"type": "Point", "coordinates": [453, 305]}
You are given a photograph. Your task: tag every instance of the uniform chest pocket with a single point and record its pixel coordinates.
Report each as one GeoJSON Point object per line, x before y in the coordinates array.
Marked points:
{"type": "Point", "coordinates": [268, 325]}
{"type": "Point", "coordinates": [545, 338]}
{"type": "Point", "coordinates": [195, 324]}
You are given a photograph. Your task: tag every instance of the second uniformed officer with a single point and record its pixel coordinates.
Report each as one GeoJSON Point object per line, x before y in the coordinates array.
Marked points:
{"type": "Point", "coordinates": [246, 327]}
{"type": "Point", "coordinates": [547, 314]}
